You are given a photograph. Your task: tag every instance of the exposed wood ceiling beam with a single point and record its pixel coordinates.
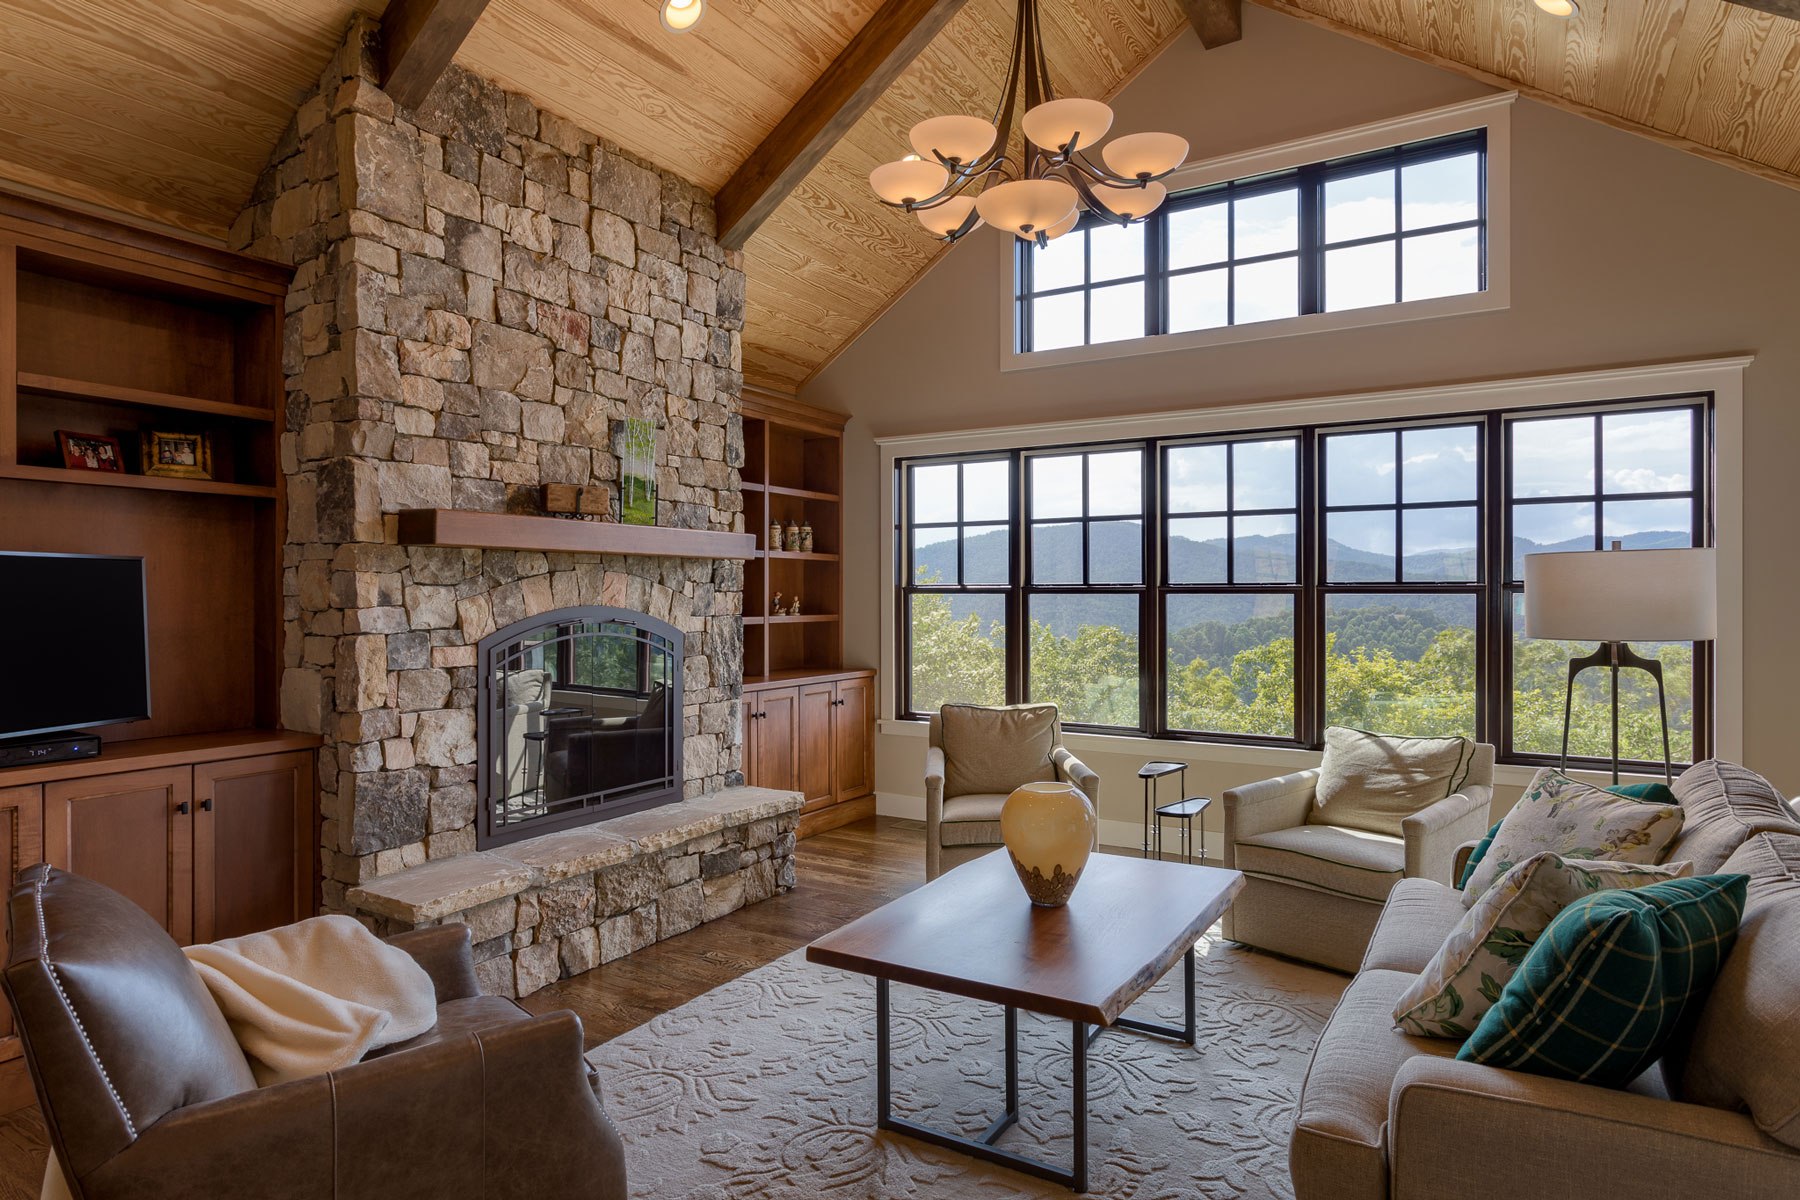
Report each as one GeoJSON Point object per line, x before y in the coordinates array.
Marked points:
{"type": "Point", "coordinates": [1713, 153]}
{"type": "Point", "coordinates": [418, 40]}
{"type": "Point", "coordinates": [1221, 22]}
{"type": "Point", "coordinates": [838, 98]}
{"type": "Point", "coordinates": [1781, 8]}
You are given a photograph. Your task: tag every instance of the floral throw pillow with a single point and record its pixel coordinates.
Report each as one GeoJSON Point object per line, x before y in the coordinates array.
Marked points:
{"type": "Point", "coordinates": [1576, 820]}
{"type": "Point", "coordinates": [1465, 979]}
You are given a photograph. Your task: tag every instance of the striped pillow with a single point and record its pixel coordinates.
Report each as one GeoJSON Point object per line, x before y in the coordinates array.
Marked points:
{"type": "Point", "coordinates": [1602, 991]}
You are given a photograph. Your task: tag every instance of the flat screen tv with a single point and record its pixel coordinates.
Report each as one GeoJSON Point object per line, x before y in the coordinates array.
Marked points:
{"type": "Point", "coordinates": [74, 642]}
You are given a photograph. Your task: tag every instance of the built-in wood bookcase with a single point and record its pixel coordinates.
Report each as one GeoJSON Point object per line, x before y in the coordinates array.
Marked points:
{"type": "Point", "coordinates": [109, 330]}
{"type": "Point", "coordinates": [808, 721]}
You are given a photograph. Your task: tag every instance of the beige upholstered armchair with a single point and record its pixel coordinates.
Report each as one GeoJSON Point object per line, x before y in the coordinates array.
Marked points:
{"type": "Point", "coordinates": [1317, 872]}
{"type": "Point", "coordinates": [976, 757]}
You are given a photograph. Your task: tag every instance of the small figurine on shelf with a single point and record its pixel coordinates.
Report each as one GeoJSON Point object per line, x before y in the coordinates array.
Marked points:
{"type": "Point", "coordinates": [776, 608]}
{"type": "Point", "coordinates": [795, 611]}
{"type": "Point", "coordinates": [774, 535]}
{"type": "Point", "coordinates": [806, 538]}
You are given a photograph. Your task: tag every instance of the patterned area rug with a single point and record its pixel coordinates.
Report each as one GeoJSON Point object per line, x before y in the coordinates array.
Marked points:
{"type": "Point", "coordinates": [765, 1088]}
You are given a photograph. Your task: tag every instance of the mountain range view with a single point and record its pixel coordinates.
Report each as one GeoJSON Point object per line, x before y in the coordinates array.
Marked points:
{"type": "Point", "coordinates": [1058, 558]}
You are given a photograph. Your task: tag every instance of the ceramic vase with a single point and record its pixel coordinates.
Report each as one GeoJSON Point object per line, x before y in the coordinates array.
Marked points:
{"type": "Point", "coordinates": [1049, 831]}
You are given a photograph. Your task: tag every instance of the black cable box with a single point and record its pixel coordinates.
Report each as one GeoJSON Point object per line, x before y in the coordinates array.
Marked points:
{"type": "Point", "coordinates": [64, 748]}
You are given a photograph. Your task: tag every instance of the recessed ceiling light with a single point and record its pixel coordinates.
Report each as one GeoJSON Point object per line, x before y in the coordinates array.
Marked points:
{"type": "Point", "coordinates": [1558, 8]}
{"type": "Point", "coordinates": [679, 16]}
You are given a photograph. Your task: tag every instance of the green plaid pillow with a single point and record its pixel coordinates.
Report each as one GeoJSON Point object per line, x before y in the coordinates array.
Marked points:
{"type": "Point", "coordinates": [1604, 988]}
{"type": "Point", "coordinates": [1653, 793]}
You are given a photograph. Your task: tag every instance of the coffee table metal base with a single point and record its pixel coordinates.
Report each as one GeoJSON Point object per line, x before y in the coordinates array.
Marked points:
{"type": "Point", "coordinates": [984, 1147]}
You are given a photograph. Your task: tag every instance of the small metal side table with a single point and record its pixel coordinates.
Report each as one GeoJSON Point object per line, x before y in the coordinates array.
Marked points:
{"type": "Point", "coordinates": [1185, 811]}
{"type": "Point", "coordinates": [1152, 773]}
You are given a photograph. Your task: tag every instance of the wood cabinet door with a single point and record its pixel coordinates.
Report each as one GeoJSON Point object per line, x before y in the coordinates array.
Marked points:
{"type": "Point", "coordinates": [133, 832]}
{"type": "Point", "coordinates": [21, 844]}
{"type": "Point", "coordinates": [751, 767]}
{"type": "Point", "coordinates": [818, 772]}
{"type": "Point", "coordinates": [777, 742]}
{"type": "Point", "coordinates": [853, 736]}
{"type": "Point", "coordinates": [252, 844]}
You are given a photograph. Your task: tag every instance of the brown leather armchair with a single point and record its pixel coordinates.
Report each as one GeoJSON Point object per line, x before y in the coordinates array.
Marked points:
{"type": "Point", "coordinates": [146, 1094]}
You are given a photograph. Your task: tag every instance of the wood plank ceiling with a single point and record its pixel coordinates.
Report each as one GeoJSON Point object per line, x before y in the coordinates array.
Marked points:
{"type": "Point", "coordinates": [167, 109]}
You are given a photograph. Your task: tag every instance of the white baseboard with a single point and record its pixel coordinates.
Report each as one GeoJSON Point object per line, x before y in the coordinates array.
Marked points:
{"type": "Point", "coordinates": [1126, 834]}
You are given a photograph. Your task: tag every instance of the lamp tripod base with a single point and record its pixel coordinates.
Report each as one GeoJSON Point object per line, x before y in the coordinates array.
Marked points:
{"type": "Point", "coordinates": [1614, 655]}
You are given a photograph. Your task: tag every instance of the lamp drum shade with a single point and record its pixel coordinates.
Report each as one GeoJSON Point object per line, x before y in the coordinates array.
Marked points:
{"type": "Point", "coordinates": [1623, 596]}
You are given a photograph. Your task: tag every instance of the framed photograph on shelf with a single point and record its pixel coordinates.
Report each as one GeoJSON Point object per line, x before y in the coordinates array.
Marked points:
{"type": "Point", "coordinates": [634, 441]}
{"type": "Point", "coordinates": [90, 452]}
{"type": "Point", "coordinates": [178, 455]}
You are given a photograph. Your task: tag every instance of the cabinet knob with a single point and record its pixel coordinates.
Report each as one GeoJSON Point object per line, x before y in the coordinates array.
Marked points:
{"type": "Point", "coordinates": [206, 804]}
{"type": "Point", "coordinates": [182, 808]}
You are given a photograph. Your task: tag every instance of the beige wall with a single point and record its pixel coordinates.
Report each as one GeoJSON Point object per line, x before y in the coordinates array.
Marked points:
{"type": "Point", "coordinates": [1624, 252]}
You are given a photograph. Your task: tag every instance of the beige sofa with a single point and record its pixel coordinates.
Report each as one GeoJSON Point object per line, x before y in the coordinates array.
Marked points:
{"type": "Point", "coordinates": [1313, 890]}
{"type": "Point", "coordinates": [1383, 1115]}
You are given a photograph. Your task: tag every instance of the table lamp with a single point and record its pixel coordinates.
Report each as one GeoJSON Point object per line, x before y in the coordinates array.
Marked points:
{"type": "Point", "coordinates": [1618, 596]}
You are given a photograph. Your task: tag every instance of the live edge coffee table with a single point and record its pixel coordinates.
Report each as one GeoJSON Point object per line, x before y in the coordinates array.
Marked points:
{"type": "Point", "coordinates": [972, 932]}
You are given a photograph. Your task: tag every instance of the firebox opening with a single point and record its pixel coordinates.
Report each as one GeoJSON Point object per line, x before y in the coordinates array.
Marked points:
{"type": "Point", "coordinates": [580, 720]}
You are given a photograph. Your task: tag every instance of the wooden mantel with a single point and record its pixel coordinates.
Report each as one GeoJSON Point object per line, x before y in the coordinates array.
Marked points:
{"type": "Point", "coordinates": [506, 531]}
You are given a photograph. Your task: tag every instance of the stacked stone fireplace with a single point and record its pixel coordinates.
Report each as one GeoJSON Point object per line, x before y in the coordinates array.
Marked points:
{"type": "Point", "coordinates": [483, 294]}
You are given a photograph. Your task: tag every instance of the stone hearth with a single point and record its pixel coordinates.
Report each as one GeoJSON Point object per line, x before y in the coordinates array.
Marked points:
{"type": "Point", "coordinates": [558, 905]}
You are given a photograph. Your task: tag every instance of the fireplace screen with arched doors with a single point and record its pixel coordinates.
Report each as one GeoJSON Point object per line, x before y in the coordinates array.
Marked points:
{"type": "Point", "coordinates": [579, 720]}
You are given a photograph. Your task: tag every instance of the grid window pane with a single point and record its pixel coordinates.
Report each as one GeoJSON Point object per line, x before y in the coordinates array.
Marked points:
{"type": "Point", "coordinates": [1440, 264]}
{"type": "Point", "coordinates": [1402, 664]}
{"type": "Point", "coordinates": [1359, 547]}
{"type": "Point", "coordinates": [1540, 670]}
{"type": "Point", "coordinates": [934, 493]}
{"type": "Point", "coordinates": [1359, 469]}
{"type": "Point", "coordinates": [1056, 486]}
{"type": "Point", "coordinates": [1548, 528]}
{"type": "Point", "coordinates": [1359, 206]}
{"type": "Point", "coordinates": [1441, 463]}
{"type": "Point", "coordinates": [1117, 313]}
{"type": "Point", "coordinates": [1439, 545]}
{"type": "Point", "coordinates": [1061, 264]}
{"type": "Point", "coordinates": [1200, 301]}
{"type": "Point", "coordinates": [1230, 664]}
{"type": "Point", "coordinates": [987, 554]}
{"type": "Point", "coordinates": [1440, 193]}
{"type": "Point", "coordinates": [1056, 553]}
{"type": "Point", "coordinates": [1196, 478]}
{"type": "Point", "coordinates": [1115, 251]}
{"type": "Point", "coordinates": [1056, 321]}
{"type": "Point", "coordinates": [934, 557]}
{"type": "Point", "coordinates": [1083, 657]}
{"type": "Point", "coordinates": [987, 490]}
{"type": "Point", "coordinates": [1262, 473]}
{"type": "Point", "coordinates": [1265, 224]}
{"type": "Point", "coordinates": [1198, 236]}
{"type": "Point", "coordinates": [957, 647]}
{"type": "Point", "coordinates": [1116, 484]}
{"type": "Point", "coordinates": [1359, 276]}
{"type": "Point", "coordinates": [1116, 552]}
{"type": "Point", "coordinates": [1553, 457]}
{"type": "Point", "coordinates": [1266, 291]}
{"type": "Point", "coordinates": [1197, 550]}
{"type": "Point", "coordinates": [1265, 549]}
{"type": "Point", "coordinates": [1648, 524]}
{"type": "Point", "coordinates": [1648, 452]}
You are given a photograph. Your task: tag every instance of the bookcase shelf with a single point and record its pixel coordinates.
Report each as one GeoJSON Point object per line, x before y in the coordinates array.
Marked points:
{"type": "Point", "coordinates": [76, 389]}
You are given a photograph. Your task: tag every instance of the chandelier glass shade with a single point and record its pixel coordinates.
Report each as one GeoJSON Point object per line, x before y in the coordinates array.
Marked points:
{"type": "Point", "coordinates": [964, 170]}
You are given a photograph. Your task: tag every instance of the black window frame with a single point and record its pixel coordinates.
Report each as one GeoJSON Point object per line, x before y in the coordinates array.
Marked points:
{"type": "Point", "coordinates": [1493, 590]}
{"type": "Point", "coordinates": [1309, 183]}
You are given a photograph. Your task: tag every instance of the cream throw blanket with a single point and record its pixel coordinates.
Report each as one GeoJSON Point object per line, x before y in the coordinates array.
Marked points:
{"type": "Point", "coordinates": [315, 996]}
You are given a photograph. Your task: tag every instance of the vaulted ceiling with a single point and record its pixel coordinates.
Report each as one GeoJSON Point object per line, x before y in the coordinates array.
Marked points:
{"type": "Point", "coordinates": [167, 109]}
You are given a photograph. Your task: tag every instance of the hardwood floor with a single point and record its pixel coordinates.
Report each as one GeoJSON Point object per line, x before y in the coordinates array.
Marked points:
{"type": "Point", "coordinates": [841, 874]}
